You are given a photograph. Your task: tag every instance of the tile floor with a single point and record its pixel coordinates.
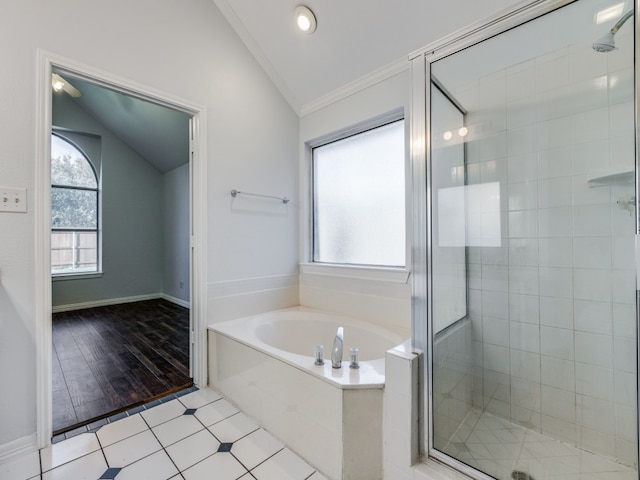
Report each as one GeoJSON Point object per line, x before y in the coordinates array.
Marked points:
{"type": "Point", "coordinates": [195, 436]}
{"type": "Point", "coordinates": [499, 447]}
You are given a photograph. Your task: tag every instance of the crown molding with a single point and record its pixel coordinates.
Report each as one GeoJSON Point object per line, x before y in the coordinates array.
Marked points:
{"type": "Point", "coordinates": [366, 81]}
{"type": "Point", "coordinates": [242, 32]}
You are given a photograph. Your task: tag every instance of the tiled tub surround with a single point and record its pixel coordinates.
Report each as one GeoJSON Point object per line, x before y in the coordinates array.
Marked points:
{"type": "Point", "coordinates": [190, 438]}
{"type": "Point", "coordinates": [553, 308]}
{"type": "Point", "coordinates": [330, 417]}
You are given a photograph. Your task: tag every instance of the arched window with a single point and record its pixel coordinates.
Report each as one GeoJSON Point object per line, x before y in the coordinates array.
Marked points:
{"type": "Point", "coordinates": [74, 210]}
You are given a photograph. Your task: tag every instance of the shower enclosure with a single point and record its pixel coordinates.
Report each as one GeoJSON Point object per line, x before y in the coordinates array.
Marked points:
{"type": "Point", "coordinates": [526, 294]}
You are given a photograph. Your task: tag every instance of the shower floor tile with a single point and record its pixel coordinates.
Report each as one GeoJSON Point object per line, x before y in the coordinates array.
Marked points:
{"type": "Point", "coordinates": [499, 447]}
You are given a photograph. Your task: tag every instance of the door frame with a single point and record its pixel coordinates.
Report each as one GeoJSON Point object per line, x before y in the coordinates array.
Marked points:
{"type": "Point", "coordinates": [46, 62]}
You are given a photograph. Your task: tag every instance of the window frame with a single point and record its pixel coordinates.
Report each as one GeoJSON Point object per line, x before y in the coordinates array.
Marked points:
{"type": "Point", "coordinates": [393, 274]}
{"type": "Point", "coordinates": [56, 276]}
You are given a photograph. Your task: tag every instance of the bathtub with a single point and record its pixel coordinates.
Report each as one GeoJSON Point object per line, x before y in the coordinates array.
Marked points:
{"type": "Point", "coordinates": [330, 417]}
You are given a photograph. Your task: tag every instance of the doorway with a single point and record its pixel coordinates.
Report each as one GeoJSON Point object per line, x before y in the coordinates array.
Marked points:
{"type": "Point", "coordinates": [100, 290]}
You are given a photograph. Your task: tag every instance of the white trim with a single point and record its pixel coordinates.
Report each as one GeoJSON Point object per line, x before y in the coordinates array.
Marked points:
{"type": "Point", "coordinates": [42, 254]}
{"type": "Point", "coordinates": [46, 61]}
{"type": "Point", "coordinates": [258, 53]}
{"type": "Point", "coordinates": [380, 274]}
{"type": "Point", "coordinates": [351, 88]}
{"type": "Point", "coordinates": [118, 301]}
{"type": "Point", "coordinates": [175, 300]}
{"type": "Point", "coordinates": [60, 277]}
{"type": "Point", "coordinates": [18, 447]}
{"type": "Point", "coordinates": [251, 285]}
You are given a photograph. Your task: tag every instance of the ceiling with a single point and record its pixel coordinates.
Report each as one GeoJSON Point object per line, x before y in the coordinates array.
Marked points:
{"type": "Point", "coordinates": [157, 133]}
{"type": "Point", "coordinates": [354, 38]}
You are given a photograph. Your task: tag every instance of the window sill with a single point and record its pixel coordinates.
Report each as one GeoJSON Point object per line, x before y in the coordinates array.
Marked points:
{"type": "Point", "coordinates": [75, 276]}
{"type": "Point", "coordinates": [380, 274]}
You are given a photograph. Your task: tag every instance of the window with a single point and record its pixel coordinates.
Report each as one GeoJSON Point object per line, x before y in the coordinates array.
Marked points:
{"type": "Point", "coordinates": [359, 198]}
{"type": "Point", "coordinates": [74, 210]}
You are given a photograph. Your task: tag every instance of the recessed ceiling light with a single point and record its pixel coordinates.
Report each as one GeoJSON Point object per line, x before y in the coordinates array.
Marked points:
{"type": "Point", "coordinates": [305, 19]}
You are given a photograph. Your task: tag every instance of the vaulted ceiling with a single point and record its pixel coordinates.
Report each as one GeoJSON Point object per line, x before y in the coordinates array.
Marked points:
{"type": "Point", "coordinates": [353, 39]}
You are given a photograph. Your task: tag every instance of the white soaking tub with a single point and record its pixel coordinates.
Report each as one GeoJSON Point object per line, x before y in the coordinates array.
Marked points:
{"type": "Point", "coordinates": [330, 417]}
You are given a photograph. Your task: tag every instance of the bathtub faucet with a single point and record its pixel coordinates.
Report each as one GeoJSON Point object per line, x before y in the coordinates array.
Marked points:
{"type": "Point", "coordinates": [336, 353]}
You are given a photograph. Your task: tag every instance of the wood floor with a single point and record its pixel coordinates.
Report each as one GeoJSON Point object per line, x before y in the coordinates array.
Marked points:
{"type": "Point", "coordinates": [108, 359]}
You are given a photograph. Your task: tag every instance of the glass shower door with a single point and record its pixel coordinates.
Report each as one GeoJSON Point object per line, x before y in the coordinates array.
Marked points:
{"type": "Point", "coordinates": [533, 221]}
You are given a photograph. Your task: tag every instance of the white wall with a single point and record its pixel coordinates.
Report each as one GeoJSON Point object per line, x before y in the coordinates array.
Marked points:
{"type": "Point", "coordinates": [132, 220]}
{"type": "Point", "coordinates": [176, 278]}
{"type": "Point", "coordinates": [188, 51]}
{"type": "Point", "coordinates": [380, 301]}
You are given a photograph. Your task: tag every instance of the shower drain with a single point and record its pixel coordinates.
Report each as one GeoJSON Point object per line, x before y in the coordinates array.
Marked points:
{"type": "Point", "coordinates": [518, 475]}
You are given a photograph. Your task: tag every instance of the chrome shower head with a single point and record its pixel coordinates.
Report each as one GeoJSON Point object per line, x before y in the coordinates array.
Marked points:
{"type": "Point", "coordinates": [606, 43]}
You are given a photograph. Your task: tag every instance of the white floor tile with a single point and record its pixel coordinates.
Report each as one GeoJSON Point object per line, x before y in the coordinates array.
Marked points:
{"type": "Point", "coordinates": [22, 467]}
{"type": "Point", "coordinates": [233, 428]}
{"type": "Point", "coordinates": [68, 450]}
{"type": "Point", "coordinates": [215, 412]}
{"type": "Point", "coordinates": [174, 430]}
{"type": "Point", "coordinates": [121, 429]}
{"type": "Point", "coordinates": [284, 465]}
{"type": "Point", "coordinates": [256, 448]}
{"type": "Point", "coordinates": [199, 398]}
{"type": "Point", "coordinates": [193, 449]}
{"type": "Point", "coordinates": [131, 449]}
{"type": "Point", "coordinates": [157, 466]}
{"type": "Point", "coordinates": [223, 464]}
{"type": "Point", "coordinates": [163, 413]}
{"type": "Point", "coordinates": [89, 467]}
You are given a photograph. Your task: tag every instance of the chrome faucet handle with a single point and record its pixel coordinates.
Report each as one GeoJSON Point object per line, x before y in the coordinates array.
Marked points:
{"type": "Point", "coordinates": [336, 352]}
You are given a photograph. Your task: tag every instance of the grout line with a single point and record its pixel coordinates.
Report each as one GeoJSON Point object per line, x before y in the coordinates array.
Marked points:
{"type": "Point", "coordinates": [161, 445]}
{"type": "Point", "coordinates": [264, 461]}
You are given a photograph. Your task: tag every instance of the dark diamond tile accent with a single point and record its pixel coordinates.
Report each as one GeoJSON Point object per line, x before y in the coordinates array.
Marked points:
{"type": "Point", "coordinates": [110, 473]}
{"type": "Point", "coordinates": [190, 411]}
{"type": "Point", "coordinates": [225, 447]}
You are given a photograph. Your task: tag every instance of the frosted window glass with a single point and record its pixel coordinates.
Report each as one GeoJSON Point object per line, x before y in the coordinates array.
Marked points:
{"type": "Point", "coordinates": [359, 198]}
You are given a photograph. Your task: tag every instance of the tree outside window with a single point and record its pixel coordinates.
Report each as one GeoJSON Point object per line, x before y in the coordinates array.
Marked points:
{"type": "Point", "coordinates": [74, 210]}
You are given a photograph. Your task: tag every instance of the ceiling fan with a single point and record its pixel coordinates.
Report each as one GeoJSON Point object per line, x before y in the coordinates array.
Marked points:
{"type": "Point", "coordinates": [58, 83]}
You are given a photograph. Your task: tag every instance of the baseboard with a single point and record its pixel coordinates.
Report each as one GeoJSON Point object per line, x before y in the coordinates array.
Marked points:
{"type": "Point", "coordinates": [177, 301]}
{"type": "Point", "coordinates": [103, 303]}
{"type": "Point", "coordinates": [18, 447]}
{"type": "Point", "coordinates": [118, 301]}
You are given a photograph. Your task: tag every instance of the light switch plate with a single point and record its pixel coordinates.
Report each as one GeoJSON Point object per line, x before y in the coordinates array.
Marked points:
{"type": "Point", "coordinates": [13, 199]}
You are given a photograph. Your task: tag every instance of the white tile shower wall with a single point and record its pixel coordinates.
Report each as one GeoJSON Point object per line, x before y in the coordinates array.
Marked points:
{"type": "Point", "coordinates": [452, 380]}
{"type": "Point", "coordinates": [240, 298]}
{"type": "Point", "coordinates": [553, 317]}
{"type": "Point", "coordinates": [380, 302]}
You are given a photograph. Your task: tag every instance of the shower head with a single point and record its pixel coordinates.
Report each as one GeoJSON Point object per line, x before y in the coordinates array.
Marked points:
{"type": "Point", "coordinates": [607, 43]}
